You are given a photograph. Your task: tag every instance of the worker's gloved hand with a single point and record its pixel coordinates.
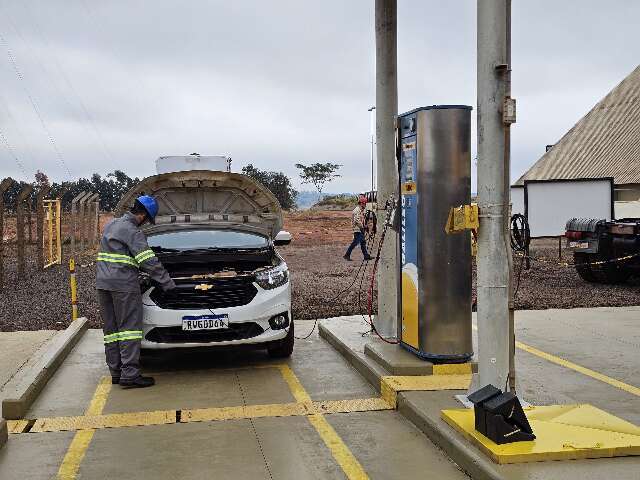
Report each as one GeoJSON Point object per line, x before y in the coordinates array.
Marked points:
{"type": "Point", "coordinates": [169, 287]}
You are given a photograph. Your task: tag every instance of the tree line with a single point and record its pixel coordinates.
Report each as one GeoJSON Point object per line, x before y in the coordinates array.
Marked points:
{"type": "Point", "coordinates": [114, 185]}
{"type": "Point", "coordinates": [110, 188]}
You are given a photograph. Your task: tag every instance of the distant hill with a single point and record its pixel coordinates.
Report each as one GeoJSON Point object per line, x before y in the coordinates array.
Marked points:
{"type": "Point", "coordinates": [306, 199]}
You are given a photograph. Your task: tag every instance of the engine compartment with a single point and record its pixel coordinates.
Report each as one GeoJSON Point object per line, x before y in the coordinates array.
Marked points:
{"type": "Point", "coordinates": [210, 280]}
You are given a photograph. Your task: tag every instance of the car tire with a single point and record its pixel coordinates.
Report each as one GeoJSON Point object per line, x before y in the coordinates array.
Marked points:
{"type": "Point", "coordinates": [285, 347]}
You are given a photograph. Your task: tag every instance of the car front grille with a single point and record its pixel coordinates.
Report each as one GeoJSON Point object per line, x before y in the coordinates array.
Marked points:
{"type": "Point", "coordinates": [236, 331]}
{"type": "Point", "coordinates": [222, 294]}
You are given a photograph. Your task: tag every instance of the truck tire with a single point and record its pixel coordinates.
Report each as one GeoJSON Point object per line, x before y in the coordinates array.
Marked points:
{"type": "Point", "coordinates": [609, 273]}
{"type": "Point", "coordinates": [581, 261]}
{"type": "Point", "coordinates": [285, 348]}
{"type": "Point", "coordinates": [613, 273]}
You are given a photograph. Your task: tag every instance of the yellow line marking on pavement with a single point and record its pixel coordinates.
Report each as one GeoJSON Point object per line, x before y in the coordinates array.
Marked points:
{"type": "Point", "coordinates": [99, 399]}
{"type": "Point", "coordinates": [298, 391]}
{"type": "Point", "coordinates": [114, 420]}
{"type": "Point", "coordinates": [244, 412]}
{"type": "Point", "coordinates": [16, 426]}
{"type": "Point", "coordinates": [579, 368]}
{"type": "Point", "coordinates": [295, 409]}
{"type": "Point", "coordinates": [81, 440]}
{"type": "Point", "coordinates": [167, 417]}
{"type": "Point", "coordinates": [341, 453]}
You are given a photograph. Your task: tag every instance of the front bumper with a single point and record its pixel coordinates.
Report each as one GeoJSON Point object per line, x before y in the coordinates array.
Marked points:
{"type": "Point", "coordinates": [265, 305]}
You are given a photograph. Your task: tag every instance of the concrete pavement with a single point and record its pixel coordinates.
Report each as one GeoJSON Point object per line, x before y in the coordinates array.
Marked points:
{"type": "Point", "coordinates": [276, 441]}
{"type": "Point", "coordinates": [563, 357]}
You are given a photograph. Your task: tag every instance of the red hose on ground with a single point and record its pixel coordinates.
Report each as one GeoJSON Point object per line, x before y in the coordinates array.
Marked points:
{"type": "Point", "coordinates": [370, 296]}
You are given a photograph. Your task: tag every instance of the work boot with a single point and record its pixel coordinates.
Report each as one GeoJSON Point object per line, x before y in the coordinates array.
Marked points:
{"type": "Point", "coordinates": [115, 380]}
{"type": "Point", "coordinates": [140, 382]}
{"type": "Point", "coordinates": [347, 258]}
{"type": "Point", "coordinates": [368, 257]}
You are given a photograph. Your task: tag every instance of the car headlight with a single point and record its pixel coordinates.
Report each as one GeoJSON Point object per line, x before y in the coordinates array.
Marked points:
{"type": "Point", "coordinates": [274, 277]}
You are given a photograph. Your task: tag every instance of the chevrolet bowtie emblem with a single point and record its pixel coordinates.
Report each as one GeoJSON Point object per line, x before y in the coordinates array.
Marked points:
{"type": "Point", "coordinates": [204, 287]}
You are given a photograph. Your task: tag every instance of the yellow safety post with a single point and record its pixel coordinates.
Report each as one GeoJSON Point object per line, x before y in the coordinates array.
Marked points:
{"type": "Point", "coordinates": [74, 289]}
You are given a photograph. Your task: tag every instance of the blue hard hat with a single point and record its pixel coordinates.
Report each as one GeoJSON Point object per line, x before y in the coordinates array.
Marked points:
{"type": "Point", "coordinates": [150, 205]}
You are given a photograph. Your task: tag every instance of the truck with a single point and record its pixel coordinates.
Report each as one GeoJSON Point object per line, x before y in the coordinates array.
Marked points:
{"type": "Point", "coordinates": [605, 251]}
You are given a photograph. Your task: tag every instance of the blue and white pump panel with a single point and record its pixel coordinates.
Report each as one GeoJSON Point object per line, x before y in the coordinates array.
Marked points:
{"type": "Point", "coordinates": [435, 175]}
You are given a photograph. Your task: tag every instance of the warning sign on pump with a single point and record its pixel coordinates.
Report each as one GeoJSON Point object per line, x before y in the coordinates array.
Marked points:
{"type": "Point", "coordinates": [409, 188]}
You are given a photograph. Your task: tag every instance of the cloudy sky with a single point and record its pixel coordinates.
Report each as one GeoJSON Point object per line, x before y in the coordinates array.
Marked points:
{"type": "Point", "coordinates": [92, 86]}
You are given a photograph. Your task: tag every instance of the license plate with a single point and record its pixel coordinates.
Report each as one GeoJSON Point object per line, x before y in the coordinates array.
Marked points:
{"type": "Point", "coordinates": [579, 244]}
{"type": "Point", "coordinates": [205, 322]}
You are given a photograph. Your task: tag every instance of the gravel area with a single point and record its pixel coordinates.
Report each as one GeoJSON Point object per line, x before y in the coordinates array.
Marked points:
{"type": "Point", "coordinates": [324, 284]}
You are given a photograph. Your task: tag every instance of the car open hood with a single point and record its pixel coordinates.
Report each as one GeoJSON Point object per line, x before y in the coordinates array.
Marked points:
{"type": "Point", "coordinates": [204, 199]}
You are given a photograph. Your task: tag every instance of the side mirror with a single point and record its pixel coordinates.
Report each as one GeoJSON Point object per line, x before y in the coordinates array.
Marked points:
{"type": "Point", "coordinates": [282, 238]}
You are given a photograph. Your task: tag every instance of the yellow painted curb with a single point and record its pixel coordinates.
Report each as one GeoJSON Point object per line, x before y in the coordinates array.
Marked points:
{"type": "Point", "coordinates": [392, 384]}
{"type": "Point", "coordinates": [563, 432]}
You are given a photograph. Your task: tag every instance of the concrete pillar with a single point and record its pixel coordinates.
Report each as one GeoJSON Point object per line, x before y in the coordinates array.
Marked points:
{"type": "Point", "coordinates": [494, 252]}
{"type": "Point", "coordinates": [386, 112]}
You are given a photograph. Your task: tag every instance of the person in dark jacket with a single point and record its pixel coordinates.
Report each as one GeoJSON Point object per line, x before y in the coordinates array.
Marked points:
{"type": "Point", "coordinates": [123, 253]}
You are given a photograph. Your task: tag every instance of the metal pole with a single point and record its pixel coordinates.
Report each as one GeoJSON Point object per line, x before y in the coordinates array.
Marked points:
{"type": "Point", "coordinates": [372, 141]}
{"type": "Point", "coordinates": [494, 273]}
{"type": "Point", "coordinates": [387, 110]}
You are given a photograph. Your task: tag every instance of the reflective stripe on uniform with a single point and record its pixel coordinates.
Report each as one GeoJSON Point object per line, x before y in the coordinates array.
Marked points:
{"type": "Point", "coordinates": [112, 337]}
{"type": "Point", "coordinates": [144, 255]}
{"type": "Point", "coordinates": [117, 258]}
{"type": "Point", "coordinates": [123, 336]}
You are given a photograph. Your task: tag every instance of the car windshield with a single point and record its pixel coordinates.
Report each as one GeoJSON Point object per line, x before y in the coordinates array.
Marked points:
{"type": "Point", "coordinates": [203, 239]}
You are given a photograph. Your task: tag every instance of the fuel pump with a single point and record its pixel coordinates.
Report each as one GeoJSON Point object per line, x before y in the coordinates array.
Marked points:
{"type": "Point", "coordinates": [434, 160]}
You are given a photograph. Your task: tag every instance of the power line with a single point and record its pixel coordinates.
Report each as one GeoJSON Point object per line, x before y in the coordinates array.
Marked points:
{"type": "Point", "coordinates": [16, 126]}
{"type": "Point", "coordinates": [14, 64]}
{"type": "Point", "coordinates": [108, 155]}
{"type": "Point", "coordinates": [13, 154]}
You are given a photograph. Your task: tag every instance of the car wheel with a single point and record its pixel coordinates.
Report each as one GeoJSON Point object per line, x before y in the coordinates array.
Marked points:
{"type": "Point", "coordinates": [285, 348]}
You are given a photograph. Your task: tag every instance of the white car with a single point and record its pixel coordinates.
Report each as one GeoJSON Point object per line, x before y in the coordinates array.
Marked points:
{"type": "Point", "coordinates": [216, 233]}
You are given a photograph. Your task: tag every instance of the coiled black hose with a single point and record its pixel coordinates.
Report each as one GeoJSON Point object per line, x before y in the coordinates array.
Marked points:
{"type": "Point", "coordinates": [520, 234]}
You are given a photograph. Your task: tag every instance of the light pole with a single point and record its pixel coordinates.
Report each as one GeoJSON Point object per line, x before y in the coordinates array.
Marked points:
{"type": "Point", "coordinates": [371, 139]}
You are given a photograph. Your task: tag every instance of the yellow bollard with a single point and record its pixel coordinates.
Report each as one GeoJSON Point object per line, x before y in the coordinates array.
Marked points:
{"type": "Point", "coordinates": [74, 289]}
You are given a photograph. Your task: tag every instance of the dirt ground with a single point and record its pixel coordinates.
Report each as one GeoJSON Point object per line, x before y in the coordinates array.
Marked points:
{"type": "Point", "coordinates": [324, 284]}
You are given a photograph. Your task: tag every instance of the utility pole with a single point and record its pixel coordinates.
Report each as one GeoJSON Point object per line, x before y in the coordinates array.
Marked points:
{"type": "Point", "coordinates": [496, 111]}
{"type": "Point", "coordinates": [386, 18]}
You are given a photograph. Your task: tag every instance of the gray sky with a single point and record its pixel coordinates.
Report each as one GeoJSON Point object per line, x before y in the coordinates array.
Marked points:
{"type": "Point", "coordinates": [98, 85]}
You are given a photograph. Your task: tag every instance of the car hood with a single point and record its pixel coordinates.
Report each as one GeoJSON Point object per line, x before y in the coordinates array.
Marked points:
{"type": "Point", "coordinates": [205, 199]}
